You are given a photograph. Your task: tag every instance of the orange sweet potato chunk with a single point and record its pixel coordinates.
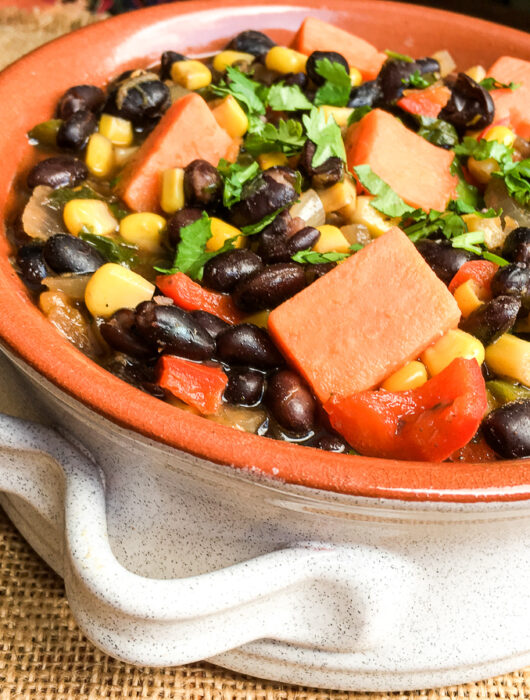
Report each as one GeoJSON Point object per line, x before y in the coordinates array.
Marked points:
{"type": "Point", "coordinates": [188, 130]}
{"type": "Point", "coordinates": [414, 168]}
{"type": "Point", "coordinates": [365, 319]}
{"type": "Point", "coordinates": [512, 104]}
{"type": "Point", "coordinates": [316, 35]}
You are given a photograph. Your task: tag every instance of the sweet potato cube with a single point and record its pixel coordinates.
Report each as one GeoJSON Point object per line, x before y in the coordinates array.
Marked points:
{"type": "Point", "coordinates": [365, 319]}
{"type": "Point", "coordinates": [512, 104]}
{"type": "Point", "coordinates": [418, 171]}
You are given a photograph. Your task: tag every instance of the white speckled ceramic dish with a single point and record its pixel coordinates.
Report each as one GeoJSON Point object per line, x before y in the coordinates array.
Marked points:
{"type": "Point", "coordinates": [170, 557]}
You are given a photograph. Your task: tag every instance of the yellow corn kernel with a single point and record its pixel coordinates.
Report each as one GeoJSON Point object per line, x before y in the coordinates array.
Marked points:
{"type": "Point", "coordinates": [91, 214]}
{"type": "Point", "coordinates": [453, 344]}
{"type": "Point", "coordinates": [501, 134]}
{"type": "Point", "coordinates": [509, 356]}
{"type": "Point", "coordinates": [285, 60]}
{"type": "Point", "coordinates": [172, 198]}
{"type": "Point", "coordinates": [355, 77]}
{"type": "Point", "coordinates": [270, 160]}
{"type": "Point", "coordinates": [222, 232]}
{"type": "Point", "coordinates": [260, 318]}
{"type": "Point", "coordinates": [491, 227]}
{"type": "Point", "coordinates": [118, 131]}
{"type": "Point", "coordinates": [339, 114]}
{"type": "Point", "coordinates": [143, 229]}
{"type": "Point", "coordinates": [227, 58]}
{"type": "Point", "coordinates": [467, 296]}
{"type": "Point", "coordinates": [374, 221]}
{"type": "Point", "coordinates": [122, 154]}
{"type": "Point", "coordinates": [411, 376]}
{"type": "Point", "coordinates": [114, 287]}
{"type": "Point", "coordinates": [338, 196]}
{"type": "Point", "coordinates": [482, 169]}
{"type": "Point", "coordinates": [99, 157]}
{"type": "Point", "coordinates": [331, 240]}
{"type": "Point", "coordinates": [476, 73]}
{"type": "Point", "coordinates": [192, 75]}
{"type": "Point", "coordinates": [231, 117]}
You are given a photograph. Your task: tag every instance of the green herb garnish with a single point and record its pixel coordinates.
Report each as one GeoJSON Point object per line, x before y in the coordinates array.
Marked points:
{"type": "Point", "coordinates": [386, 200]}
{"type": "Point", "coordinates": [336, 90]}
{"type": "Point", "coordinates": [314, 258]}
{"type": "Point", "coordinates": [190, 253]}
{"type": "Point", "coordinates": [111, 250]}
{"type": "Point", "coordinates": [437, 131]}
{"type": "Point", "coordinates": [493, 84]}
{"type": "Point", "coordinates": [516, 176]}
{"type": "Point", "coordinates": [251, 229]}
{"type": "Point", "coordinates": [326, 136]}
{"type": "Point", "coordinates": [399, 56]}
{"type": "Point", "coordinates": [62, 195]}
{"type": "Point", "coordinates": [419, 81]}
{"type": "Point", "coordinates": [287, 98]}
{"type": "Point", "coordinates": [358, 113]}
{"type": "Point", "coordinates": [245, 90]}
{"type": "Point", "coordinates": [287, 137]}
{"type": "Point", "coordinates": [235, 176]}
{"type": "Point", "coordinates": [501, 262]}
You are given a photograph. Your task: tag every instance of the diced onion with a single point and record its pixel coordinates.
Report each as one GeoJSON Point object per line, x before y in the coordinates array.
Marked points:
{"type": "Point", "coordinates": [310, 209]}
{"type": "Point", "coordinates": [497, 197]}
{"type": "Point", "coordinates": [38, 220]}
{"type": "Point", "coordinates": [356, 233]}
{"type": "Point", "coordinates": [71, 285]}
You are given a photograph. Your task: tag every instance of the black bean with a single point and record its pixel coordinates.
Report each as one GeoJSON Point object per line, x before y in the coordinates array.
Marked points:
{"type": "Point", "coordinates": [174, 330]}
{"type": "Point", "coordinates": [304, 239]}
{"type": "Point", "coordinates": [87, 97]}
{"type": "Point", "coordinates": [120, 333]}
{"type": "Point", "coordinates": [65, 253]}
{"type": "Point", "coordinates": [250, 41]}
{"type": "Point", "coordinates": [225, 270]}
{"type": "Point", "coordinates": [489, 321]}
{"type": "Point", "coordinates": [269, 287]}
{"type": "Point", "coordinates": [507, 429]}
{"type": "Point", "coordinates": [74, 131]}
{"type": "Point", "coordinates": [365, 95]}
{"type": "Point", "coordinates": [167, 60]}
{"type": "Point", "coordinates": [245, 387]}
{"type": "Point", "coordinates": [202, 184]}
{"type": "Point", "coordinates": [299, 79]}
{"type": "Point", "coordinates": [427, 65]}
{"type": "Point", "coordinates": [272, 190]}
{"type": "Point", "coordinates": [470, 105]}
{"type": "Point", "coordinates": [183, 217]}
{"type": "Point", "coordinates": [31, 263]}
{"type": "Point", "coordinates": [211, 324]}
{"type": "Point", "coordinates": [320, 269]}
{"type": "Point", "coordinates": [513, 280]}
{"type": "Point", "coordinates": [290, 402]}
{"type": "Point", "coordinates": [329, 173]}
{"type": "Point", "coordinates": [58, 171]}
{"type": "Point", "coordinates": [272, 247]}
{"type": "Point", "coordinates": [247, 344]}
{"type": "Point", "coordinates": [393, 78]}
{"type": "Point", "coordinates": [140, 97]}
{"type": "Point", "coordinates": [517, 245]}
{"type": "Point", "coordinates": [444, 260]}
{"type": "Point", "coordinates": [333, 56]}
{"type": "Point", "coordinates": [331, 443]}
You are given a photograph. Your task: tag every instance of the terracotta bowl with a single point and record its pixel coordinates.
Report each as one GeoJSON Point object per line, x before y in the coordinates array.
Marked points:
{"type": "Point", "coordinates": [28, 93]}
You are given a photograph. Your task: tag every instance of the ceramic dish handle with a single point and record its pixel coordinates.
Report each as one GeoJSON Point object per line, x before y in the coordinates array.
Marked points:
{"type": "Point", "coordinates": [312, 594]}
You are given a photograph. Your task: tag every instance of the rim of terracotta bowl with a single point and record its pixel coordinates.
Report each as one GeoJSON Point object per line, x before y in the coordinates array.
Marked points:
{"type": "Point", "coordinates": [29, 90]}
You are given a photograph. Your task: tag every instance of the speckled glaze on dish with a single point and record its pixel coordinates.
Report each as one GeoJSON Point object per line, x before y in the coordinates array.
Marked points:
{"type": "Point", "coordinates": [299, 565]}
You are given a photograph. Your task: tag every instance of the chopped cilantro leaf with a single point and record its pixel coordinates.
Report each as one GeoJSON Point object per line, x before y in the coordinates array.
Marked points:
{"type": "Point", "coordinates": [399, 56]}
{"type": "Point", "coordinates": [481, 150]}
{"type": "Point", "coordinates": [287, 98]}
{"type": "Point", "coordinates": [326, 136]}
{"type": "Point", "coordinates": [314, 258]}
{"type": "Point", "coordinates": [287, 137]}
{"type": "Point", "coordinates": [191, 254]}
{"type": "Point", "coordinates": [62, 195]}
{"type": "Point", "coordinates": [244, 89]}
{"type": "Point", "coordinates": [358, 113]}
{"type": "Point", "coordinates": [111, 250]}
{"type": "Point", "coordinates": [492, 84]}
{"type": "Point", "coordinates": [336, 90]}
{"type": "Point", "coordinates": [234, 177]}
{"type": "Point", "coordinates": [469, 241]}
{"type": "Point", "coordinates": [418, 81]}
{"type": "Point", "coordinates": [386, 200]}
{"type": "Point", "coordinates": [251, 229]}
{"type": "Point", "coordinates": [501, 262]}
{"type": "Point", "coordinates": [516, 177]}
{"type": "Point", "coordinates": [437, 131]}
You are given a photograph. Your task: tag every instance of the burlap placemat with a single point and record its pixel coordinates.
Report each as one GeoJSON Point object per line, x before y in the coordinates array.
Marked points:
{"type": "Point", "coordinates": [44, 656]}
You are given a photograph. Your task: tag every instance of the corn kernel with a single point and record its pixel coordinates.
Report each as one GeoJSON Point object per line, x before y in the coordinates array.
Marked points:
{"type": "Point", "coordinates": [491, 227]}
{"type": "Point", "coordinates": [338, 196]}
{"type": "Point", "coordinates": [331, 240]}
{"type": "Point", "coordinates": [118, 131]}
{"type": "Point", "coordinates": [453, 344]}
{"type": "Point", "coordinates": [172, 198]}
{"type": "Point", "coordinates": [222, 232]}
{"type": "Point", "coordinates": [227, 58]}
{"type": "Point", "coordinates": [476, 73]}
{"type": "Point", "coordinates": [114, 287]}
{"type": "Point", "coordinates": [501, 134]}
{"type": "Point", "coordinates": [355, 77]}
{"type": "Point", "coordinates": [339, 114]}
{"type": "Point", "coordinates": [144, 230]}
{"type": "Point", "coordinates": [192, 75]}
{"type": "Point", "coordinates": [509, 356]}
{"type": "Point", "coordinates": [468, 297]}
{"type": "Point", "coordinates": [91, 214]}
{"type": "Point", "coordinates": [482, 169]}
{"type": "Point", "coordinates": [411, 376]}
{"type": "Point", "coordinates": [270, 160]}
{"type": "Point", "coordinates": [284, 60]}
{"type": "Point", "coordinates": [260, 318]}
{"type": "Point", "coordinates": [231, 117]}
{"type": "Point", "coordinates": [99, 157]}
{"type": "Point", "coordinates": [374, 221]}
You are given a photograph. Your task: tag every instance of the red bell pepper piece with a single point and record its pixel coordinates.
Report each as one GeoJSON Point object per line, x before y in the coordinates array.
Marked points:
{"type": "Point", "coordinates": [425, 424]}
{"type": "Point", "coordinates": [201, 386]}
{"type": "Point", "coordinates": [482, 271]}
{"type": "Point", "coordinates": [191, 296]}
{"type": "Point", "coordinates": [428, 102]}
{"type": "Point", "coordinates": [476, 450]}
